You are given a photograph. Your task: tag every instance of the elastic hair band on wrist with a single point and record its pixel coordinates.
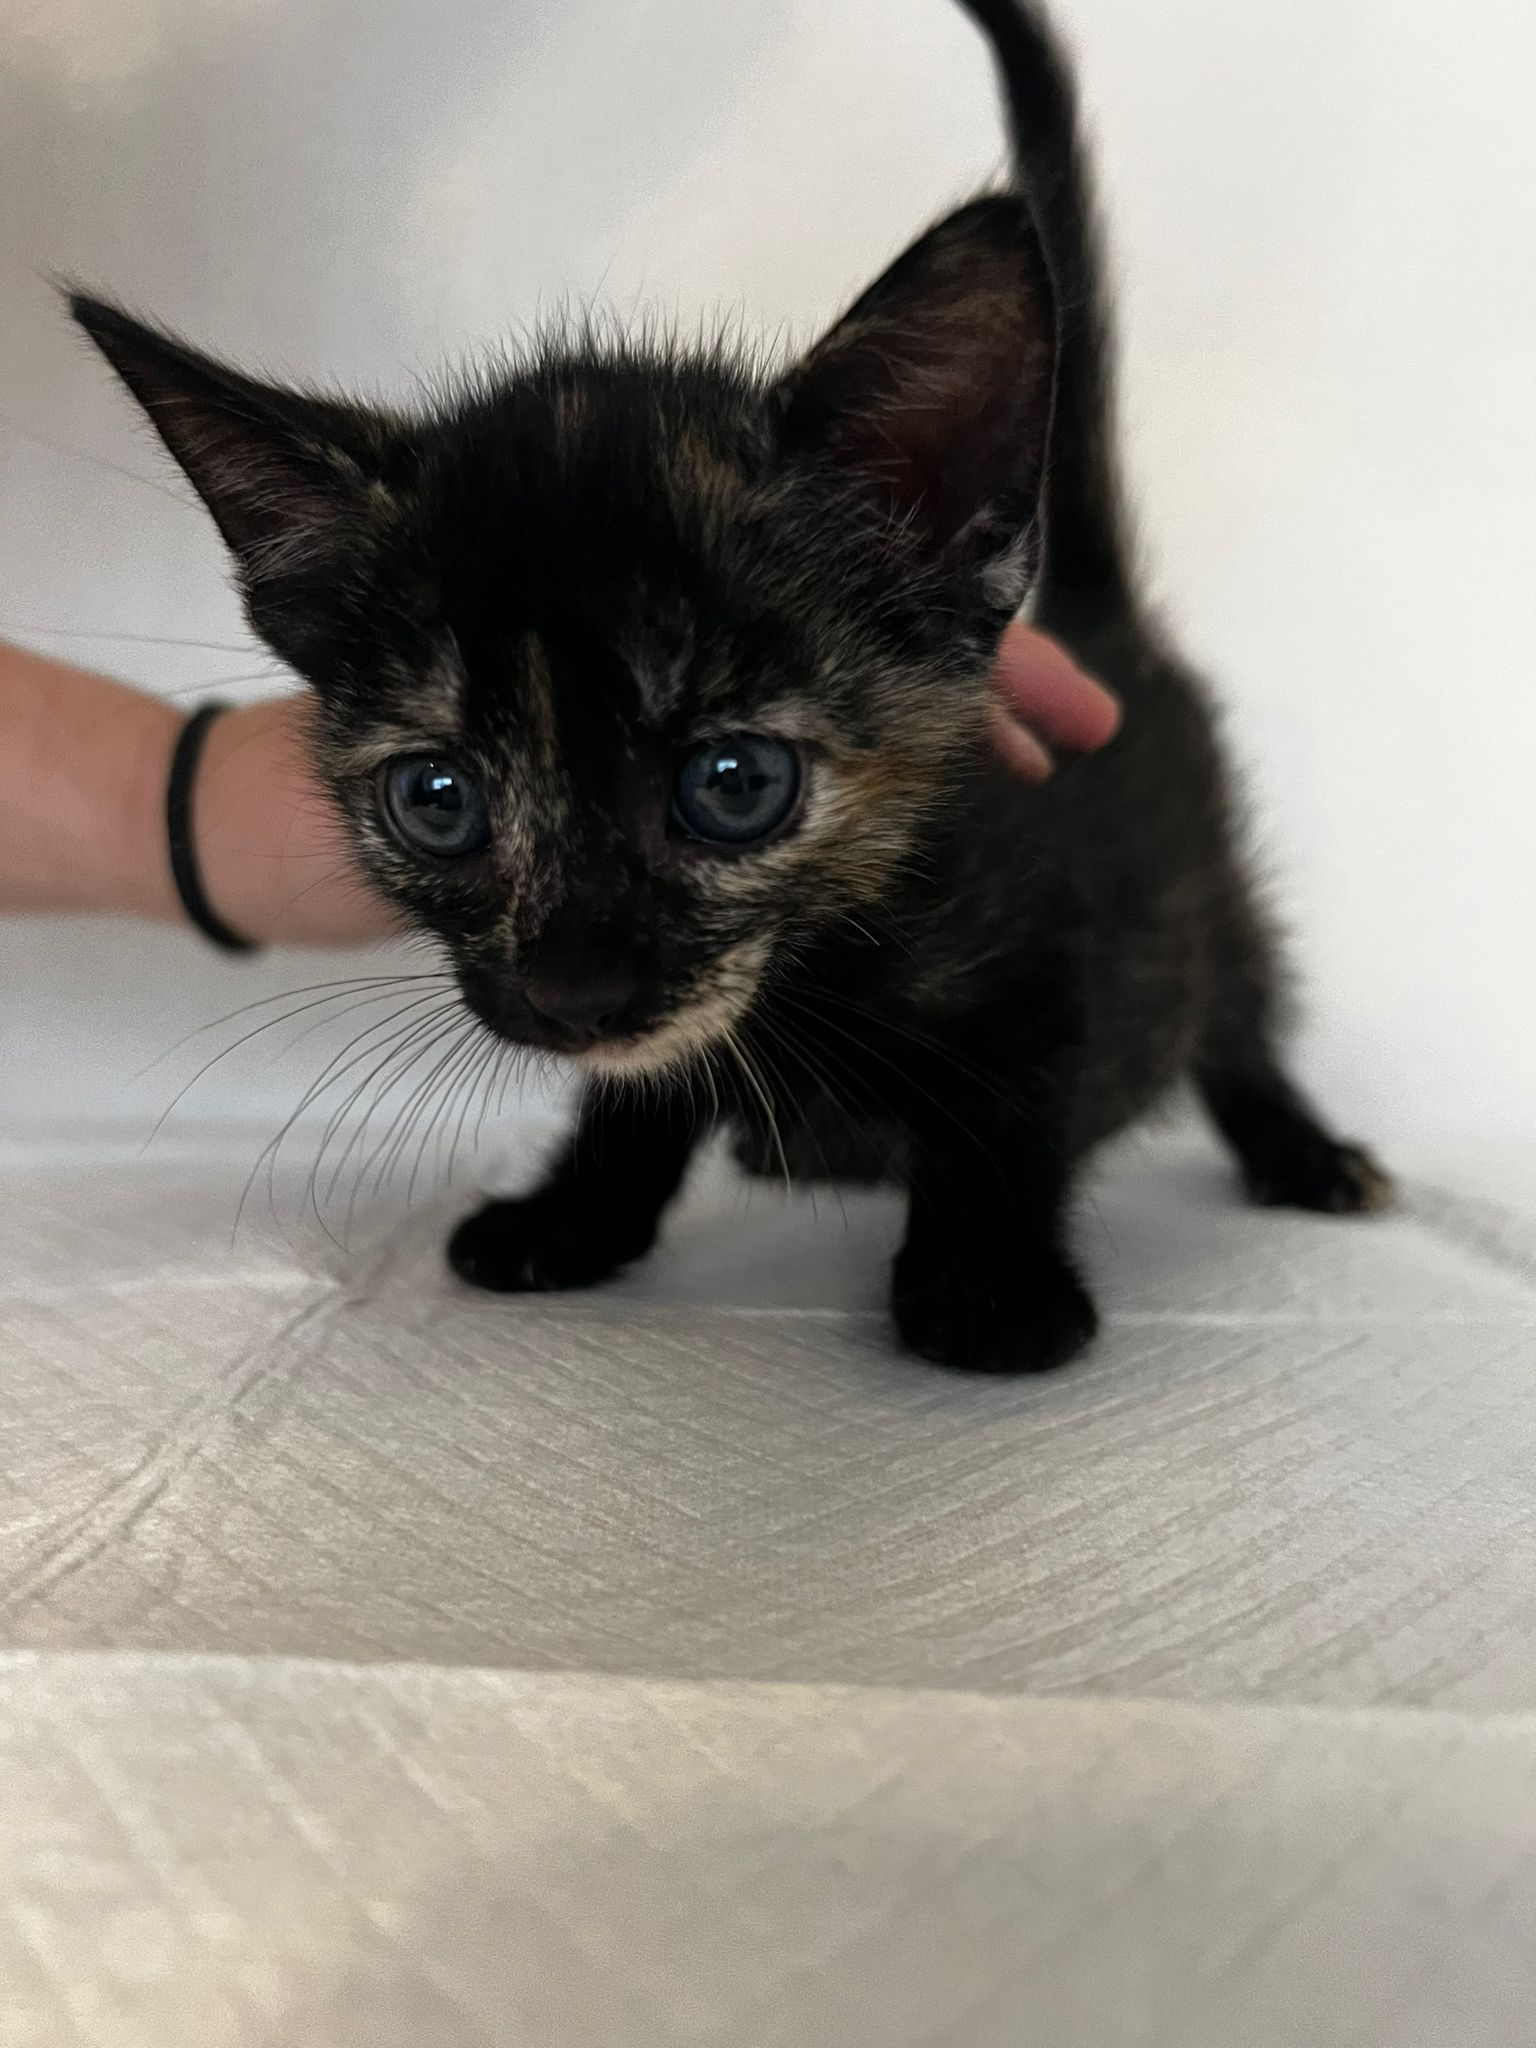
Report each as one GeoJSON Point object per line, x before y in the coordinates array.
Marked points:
{"type": "Point", "coordinates": [178, 832]}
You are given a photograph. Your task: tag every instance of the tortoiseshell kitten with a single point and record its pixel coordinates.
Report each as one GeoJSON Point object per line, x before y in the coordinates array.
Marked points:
{"type": "Point", "coordinates": [655, 687]}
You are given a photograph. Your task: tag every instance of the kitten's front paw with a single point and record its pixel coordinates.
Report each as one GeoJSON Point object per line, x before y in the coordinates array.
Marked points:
{"type": "Point", "coordinates": [1032, 1321]}
{"type": "Point", "coordinates": [543, 1244]}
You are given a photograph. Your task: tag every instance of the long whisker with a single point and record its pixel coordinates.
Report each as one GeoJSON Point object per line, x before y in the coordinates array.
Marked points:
{"type": "Point", "coordinates": [419, 1039]}
{"type": "Point", "coordinates": [400, 1028]}
{"type": "Point", "coordinates": [404, 1058]}
{"type": "Point", "coordinates": [707, 1073]}
{"type": "Point", "coordinates": [334, 1070]}
{"type": "Point", "coordinates": [401, 1061]}
{"type": "Point", "coordinates": [989, 1083]}
{"type": "Point", "coordinates": [786, 1043]}
{"type": "Point", "coordinates": [488, 1057]}
{"type": "Point", "coordinates": [181, 497]}
{"type": "Point", "coordinates": [926, 1095]}
{"type": "Point", "coordinates": [349, 1009]}
{"type": "Point", "coordinates": [864, 1083]}
{"type": "Point", "coordinates": [465, 1051]}
{"type": "Point", "coordinates": [137, 639]}
{"type": "Point", "coordinates": [249, 675]}
{"type": "Point", "coordinates": [355, 981]}
{"type": "Point", "coordinates": [750, 1075]}
{"type": "Point", "coordinates": [775, 1074]}
{"type": "Point", "coordinates": [207, 1068]}
{"type": "Point", "coordinates": [417, 1112]}
{"type": "Point", "coordinates": [419, 1096]}
{"type": "Point", "coordinates": [498, 1066]}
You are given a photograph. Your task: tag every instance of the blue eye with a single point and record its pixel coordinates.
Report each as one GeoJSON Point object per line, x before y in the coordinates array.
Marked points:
{"type": "Point", "coordinates": [736, 791]}
{"type": "Point", "coordinates": [432, 807]}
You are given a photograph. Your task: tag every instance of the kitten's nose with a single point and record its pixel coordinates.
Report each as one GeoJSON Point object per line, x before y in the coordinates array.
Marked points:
{"type": "Point", "coordinates": [580, 1007]}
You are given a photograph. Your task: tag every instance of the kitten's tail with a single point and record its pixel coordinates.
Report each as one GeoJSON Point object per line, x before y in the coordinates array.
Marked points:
{"type": "Point", "coordinates": [1088, 566]}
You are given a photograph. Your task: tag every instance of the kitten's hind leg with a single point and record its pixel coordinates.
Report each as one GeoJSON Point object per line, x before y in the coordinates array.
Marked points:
{"type": "Point", "coordinates": [598, 1209]}
{"type": "Point", "coordinates": [1287, 1156]}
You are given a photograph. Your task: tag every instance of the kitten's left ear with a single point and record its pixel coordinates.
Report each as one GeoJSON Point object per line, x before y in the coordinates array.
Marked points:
{"type": "Point", "coordinates": [933, 393]}
{"type": "Point", "coordinates": [287, 477]}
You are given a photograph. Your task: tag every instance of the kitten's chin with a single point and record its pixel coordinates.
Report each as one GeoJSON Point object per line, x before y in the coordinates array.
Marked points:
{"type": "Point", "coordinates": [631, 1057]}
{"type": "Point", "coordinates": [691, 1032]}
{"type": "Point", "coordinates": [671, 1045]}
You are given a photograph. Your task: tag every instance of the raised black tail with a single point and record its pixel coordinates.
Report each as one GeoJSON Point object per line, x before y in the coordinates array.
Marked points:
{"type": "Point", "coordinates": [1087, 569]}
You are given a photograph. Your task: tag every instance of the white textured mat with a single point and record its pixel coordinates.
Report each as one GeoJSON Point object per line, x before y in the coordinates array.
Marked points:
{"type": "Point", "coordinates": [759, 1750]}
{"type": "Point", "coordinates": [203, 1853]}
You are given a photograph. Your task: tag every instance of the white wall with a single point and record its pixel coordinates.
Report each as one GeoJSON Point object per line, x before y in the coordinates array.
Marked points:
{"type": "Point", "coordinates": [1322, 215]}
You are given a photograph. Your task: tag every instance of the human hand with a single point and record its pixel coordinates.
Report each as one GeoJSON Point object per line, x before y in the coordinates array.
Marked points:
{"type": "Point", "coordinates": [1045, 700]}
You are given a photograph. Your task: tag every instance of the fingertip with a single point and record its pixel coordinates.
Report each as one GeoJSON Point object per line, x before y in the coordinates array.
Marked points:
{"type": "Point", "coordinates": [1018, 746]}
{"type": "Point", "coordinates": [1045, 688]}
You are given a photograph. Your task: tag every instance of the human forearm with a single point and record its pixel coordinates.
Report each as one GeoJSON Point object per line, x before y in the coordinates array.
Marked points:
{"type": "Point", "coordinates": [83, 764]}
{"type": "Point", "coordinates": [83, 769]}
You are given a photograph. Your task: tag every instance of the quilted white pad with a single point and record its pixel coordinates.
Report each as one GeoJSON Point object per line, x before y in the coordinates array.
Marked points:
{"type": "Point", "coordinates": [671, 1664]}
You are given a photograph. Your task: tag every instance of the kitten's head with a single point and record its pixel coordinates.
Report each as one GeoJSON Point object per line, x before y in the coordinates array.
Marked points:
{"type": "Point", "coordinates": [632, 667]}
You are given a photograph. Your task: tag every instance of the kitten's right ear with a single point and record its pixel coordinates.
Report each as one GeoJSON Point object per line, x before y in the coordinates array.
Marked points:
{"type": "Point", "coordinates": [288, 478]}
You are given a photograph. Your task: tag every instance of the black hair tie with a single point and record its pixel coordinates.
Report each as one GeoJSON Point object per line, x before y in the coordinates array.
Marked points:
{"type": "Point", "coordinates": [178, 828]}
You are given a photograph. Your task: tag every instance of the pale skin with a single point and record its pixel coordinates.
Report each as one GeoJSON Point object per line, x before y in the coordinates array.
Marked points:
{"type": "Point", "coordinates": [84, 760]}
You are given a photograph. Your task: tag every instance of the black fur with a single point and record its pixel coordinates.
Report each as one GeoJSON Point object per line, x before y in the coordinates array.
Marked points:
{"type": "Point", "coordinates": [567, 575]}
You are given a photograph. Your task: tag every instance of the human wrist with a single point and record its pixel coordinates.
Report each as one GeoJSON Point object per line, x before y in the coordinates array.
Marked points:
{"type": "Point", "coordinates": [135, 878]}
{"type": "Point", "coordinates": [273, 858]}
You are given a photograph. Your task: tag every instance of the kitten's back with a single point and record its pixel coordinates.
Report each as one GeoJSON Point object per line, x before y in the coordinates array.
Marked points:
{"type": "Point", "coordinates": [1128, 862]}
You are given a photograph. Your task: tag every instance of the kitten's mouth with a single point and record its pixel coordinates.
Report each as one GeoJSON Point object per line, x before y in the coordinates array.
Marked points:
{"type": "Point", "coordinates": [688, 1034]}
{"type": "Point", "coordinates": [637, 1055]}
{"type": "Point", "coordinates": [616, 1046]}
{"type": "Point", "coordinates": [691, 1032]}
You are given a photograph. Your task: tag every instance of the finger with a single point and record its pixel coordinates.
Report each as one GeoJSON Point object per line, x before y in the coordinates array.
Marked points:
{"type": "Point", "coordinates": [1020, 750]}
{"type": "Point", "coordinates": [1042, 686]}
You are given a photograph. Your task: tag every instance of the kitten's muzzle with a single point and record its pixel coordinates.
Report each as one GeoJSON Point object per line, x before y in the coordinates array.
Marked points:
{"type": "Point", "coordinates": [564, 1011]}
